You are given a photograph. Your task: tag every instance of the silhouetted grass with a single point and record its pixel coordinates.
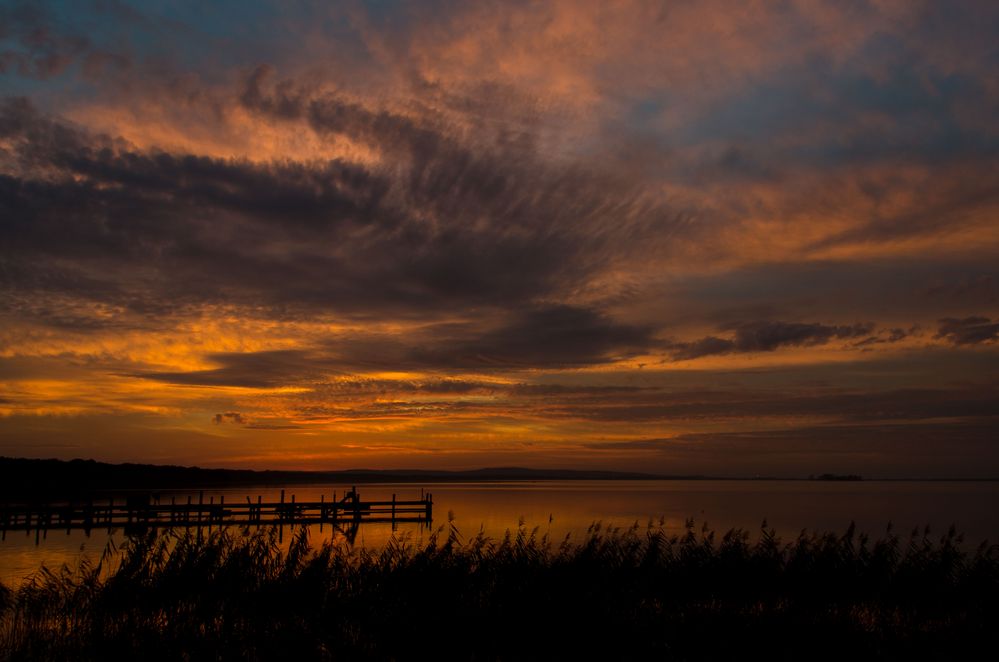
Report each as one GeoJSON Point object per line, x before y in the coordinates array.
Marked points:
{"type": "Point", "coordinates": [617, 594]}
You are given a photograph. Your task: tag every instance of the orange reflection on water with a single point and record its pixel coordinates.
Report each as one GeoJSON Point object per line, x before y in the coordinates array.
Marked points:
{"type": "Point", "coordinates": [561, 508]}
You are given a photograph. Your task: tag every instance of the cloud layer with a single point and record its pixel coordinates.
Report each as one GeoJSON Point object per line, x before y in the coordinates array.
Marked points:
{"type": "Point", "coordinates": [456, 232]}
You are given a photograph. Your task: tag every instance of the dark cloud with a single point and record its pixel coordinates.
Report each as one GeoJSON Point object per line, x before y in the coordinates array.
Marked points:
{"type": "Point", "coordinates": [767, 337]}
{"type": "Point", "coordinates": [830, 404]}
{"type": "Point", "coordinates": [887, 336]}
{"type": "Point", "coordinates": [94, 217]}
{"type": "Point", "coordinates": [548, 336]}
{"type": "Point", "coordinates": [245, 369]}
{"type": "Point", "coordinates": [36, 42]}
{"type": "Point", "coordinates": [286, 100]}
{"type": "Point", "coordinates": [539, 337]}
{"type": "Point", "coordinates": [506, 219]}
{"type": "Point", "coordinates": [121, 185]}
{"type": "Point", "coordinates": [358, 397]}
{"type": "Point", "coordinates": [969, 330]}
{"type": "Point", "coordinates": [229, 417]}
{"type": "Point", "coordinates": [703, 347]}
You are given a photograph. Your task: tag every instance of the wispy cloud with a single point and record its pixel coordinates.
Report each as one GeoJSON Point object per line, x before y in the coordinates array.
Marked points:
{"type": "Point", "coordinates": [326, 223]}
{"type": "Point", "coordinates": [969, 330]}
{"type": "Point", "coordinates": [768, 337]}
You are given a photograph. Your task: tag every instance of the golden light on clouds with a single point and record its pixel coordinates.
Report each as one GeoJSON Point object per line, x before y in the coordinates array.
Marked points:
{"type": "Point", "coordinates": [688, 238]}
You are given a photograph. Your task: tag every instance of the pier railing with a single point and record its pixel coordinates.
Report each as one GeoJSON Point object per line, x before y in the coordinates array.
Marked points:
{"type": "Point", "coordinates": [145, 511]}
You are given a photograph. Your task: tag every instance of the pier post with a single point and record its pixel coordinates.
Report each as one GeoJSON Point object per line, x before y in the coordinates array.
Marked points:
{"type": "Point", "coordinates": [351, 511]}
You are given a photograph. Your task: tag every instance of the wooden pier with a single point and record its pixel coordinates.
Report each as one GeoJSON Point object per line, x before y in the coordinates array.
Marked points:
{"type": "Point", "coordinates": [140, 512]}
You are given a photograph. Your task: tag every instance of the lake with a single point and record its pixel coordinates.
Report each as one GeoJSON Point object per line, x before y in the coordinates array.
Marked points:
{"type": "Point", "coordinates": [561, 508]}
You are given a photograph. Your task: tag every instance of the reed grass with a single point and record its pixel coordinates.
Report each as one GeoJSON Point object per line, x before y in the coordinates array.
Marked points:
{"type": "Point", "coordinates": [630, 593]}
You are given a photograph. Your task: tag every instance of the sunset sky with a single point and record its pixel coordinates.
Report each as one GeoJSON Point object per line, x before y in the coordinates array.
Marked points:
{"type": "Point", "coordinates": [725, 238]}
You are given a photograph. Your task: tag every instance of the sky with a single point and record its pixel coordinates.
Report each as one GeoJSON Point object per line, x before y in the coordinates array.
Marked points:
{"type": "Point", "coordinates": [718, 238]}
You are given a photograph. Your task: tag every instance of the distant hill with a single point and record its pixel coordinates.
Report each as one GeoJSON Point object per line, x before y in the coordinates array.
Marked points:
{"type": "Point", "coordinates": [836, 477]}
{"type": "Point", "coordinates": [25, 477]}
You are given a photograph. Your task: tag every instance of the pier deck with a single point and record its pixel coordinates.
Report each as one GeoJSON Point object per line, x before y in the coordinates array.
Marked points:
{"type": "Point", "coordinates": [139, 512]}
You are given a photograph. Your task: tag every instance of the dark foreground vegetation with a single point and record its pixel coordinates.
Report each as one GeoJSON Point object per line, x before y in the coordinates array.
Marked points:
{"type": "Point", "coordinates": [616, 594]}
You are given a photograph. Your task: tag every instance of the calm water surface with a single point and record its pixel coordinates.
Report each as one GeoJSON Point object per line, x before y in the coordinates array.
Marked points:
{"type": "Point", "coordinates": [561, 508]}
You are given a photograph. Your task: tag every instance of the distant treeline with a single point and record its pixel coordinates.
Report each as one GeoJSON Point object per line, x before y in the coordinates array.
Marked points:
{"type": "Point", "coordinates": [58, 478]}
{"type": "Point", "coordinates": [631, 594]}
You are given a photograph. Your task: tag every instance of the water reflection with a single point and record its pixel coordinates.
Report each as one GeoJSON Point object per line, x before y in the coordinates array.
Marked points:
{"type": "Point", "coordinates": [561, 508]}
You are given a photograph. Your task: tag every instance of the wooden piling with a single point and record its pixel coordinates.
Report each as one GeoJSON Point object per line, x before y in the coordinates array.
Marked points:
{"type": "Point", "coordinates": [88, 515]}
{"type": "Point", "coordinates": [351, 510]}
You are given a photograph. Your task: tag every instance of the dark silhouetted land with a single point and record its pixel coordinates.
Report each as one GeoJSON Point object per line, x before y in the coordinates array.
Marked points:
{"type": "Point", "coordinates": [56, 478]}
